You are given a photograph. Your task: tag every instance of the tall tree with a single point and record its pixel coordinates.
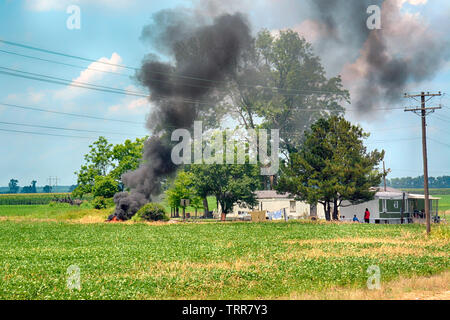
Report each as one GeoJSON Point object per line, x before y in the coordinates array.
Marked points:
{"type": "Point", "coordinates": [104, 159]}
{"type": "Point", "coordinates": [183, 188]}
{"type": "Point", "coordinates": [13, 186]}
{"type": "Point", "coordinates": [126, 157]}
{"type": "Point", "coordinates": [230, 184]}
{"type": "Point", "coordinates": [332, 166]}
{"type": "Point", "coordinates": [282, 85]}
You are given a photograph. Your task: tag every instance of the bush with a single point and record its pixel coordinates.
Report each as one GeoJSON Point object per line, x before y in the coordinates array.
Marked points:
{"type": "Point", "coordinates": [105, 187]}
{"type": "Point", "coordinates": [102, 203]}
{"type": "Point", "coordinates": [151, 212]}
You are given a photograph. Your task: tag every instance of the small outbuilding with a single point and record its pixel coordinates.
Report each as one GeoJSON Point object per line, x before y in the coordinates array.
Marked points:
{"type": "Point", "coordinates": [390, 206]}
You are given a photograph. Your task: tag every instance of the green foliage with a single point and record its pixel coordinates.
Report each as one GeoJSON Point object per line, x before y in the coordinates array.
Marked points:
{"type": "Point", "coordinates": [183, 188]}
{"type": "Point", "coordinates": [417, 182]}
{"type": "Point", "coordinates": [104, 187]}
{"type": "Point", "coordinates": [102, 203]}
{"type": "Point", "coordinates": [286, 62]}
{"type": "Point", "coordinates": [151, 212]}
{"type": "Point", "coordinates": [230, 184]}
{"type": "Point", "coordinates": [104, 159]}
{"type": "Point", "coordinates": [31, 188]}
{"type": "Point", "coordinates": [126, 157]}
{"type": "Point", "coordinates": [332, 166]}
{"type": "Point", "coordinates": [30, 198]}
{"type": "Point", "coordinates": [47, 189]}
{"type": "Point", "coordinates": [13, 186]}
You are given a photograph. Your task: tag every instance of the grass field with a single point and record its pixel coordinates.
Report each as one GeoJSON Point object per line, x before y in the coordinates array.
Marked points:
{"type": "Point", "coordinates": [204, 260]}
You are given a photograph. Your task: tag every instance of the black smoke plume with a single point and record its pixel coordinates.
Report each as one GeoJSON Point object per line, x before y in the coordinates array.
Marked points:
{"type": "Point", "coordinates": [380, 63]}
{"type": "Point", "coordinates": [204, 55]}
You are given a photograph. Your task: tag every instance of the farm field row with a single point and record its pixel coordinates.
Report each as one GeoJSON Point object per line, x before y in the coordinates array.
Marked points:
{"type": "Point", "coordinates": [30, 198]}
{"type": "Point", "coordinates": [209, 260]}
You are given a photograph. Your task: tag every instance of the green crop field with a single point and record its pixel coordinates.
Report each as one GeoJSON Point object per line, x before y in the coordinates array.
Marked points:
{"type": "Point", "coordinates": [202, 260]}
{"type": "Point", "coordinates": [30, 198]}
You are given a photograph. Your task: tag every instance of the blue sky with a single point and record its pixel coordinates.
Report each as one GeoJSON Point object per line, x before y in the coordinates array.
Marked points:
{"type": "Point", "coordinates": [110, 30]}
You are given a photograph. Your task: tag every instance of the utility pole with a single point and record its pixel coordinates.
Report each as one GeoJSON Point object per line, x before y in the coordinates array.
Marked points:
{"type": "Point", "coordinates": [423, 111]}
{"type": "Point", "coordinates": [384, 176]}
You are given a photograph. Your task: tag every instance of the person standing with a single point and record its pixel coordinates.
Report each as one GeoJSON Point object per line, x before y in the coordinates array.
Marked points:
{"type": "Point", "coordinates": [367, 215]}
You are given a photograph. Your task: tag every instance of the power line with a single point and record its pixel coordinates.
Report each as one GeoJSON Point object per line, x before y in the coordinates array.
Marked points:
{"type": "Point", "coordinates": [45, 134]}
{"type": "Point", "coordinates": [59, 128]}
{"type": "Point", "coordinates": [65, 64]}
{"type": "Point", "coordinates": [51, 134]}
{"type": "Point", "coordinates": [56, 80]}
{"type": "Point", "coordinates": [442, 143]}
{"type": "Point", "coordinates": [85, 85]}
{"type": "Point", "coordinates": [309, 91]}
{"type": "Point", "coordinates": [67, 113]}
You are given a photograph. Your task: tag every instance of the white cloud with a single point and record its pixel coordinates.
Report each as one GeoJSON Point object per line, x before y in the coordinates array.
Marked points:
{"type": "Point", "coordinates": [131, 106]}
{"type": "Point", "coordinates": [90, 75]}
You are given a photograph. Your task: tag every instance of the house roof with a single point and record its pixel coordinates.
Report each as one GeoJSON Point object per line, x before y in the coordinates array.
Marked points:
{"type": "Point", "coordinates": [271, 194]}
{"type": "Point", "coordinates": [388, 189]}
{"type": "Point", "coordinates": [421, 196]}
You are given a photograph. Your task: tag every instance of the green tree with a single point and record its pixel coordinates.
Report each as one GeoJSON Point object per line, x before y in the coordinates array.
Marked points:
{"type": "Point", "coordinates": [47, 189]}
{"type": "Point", "coordinates": [230, 184]}
{"type": "Point", "coordinates": [104, 159]}
{"type": "Point", "coordinates": [289, 89]}
{"type": "Point", "coordinates": [332, 166]}
{"type": "Point", "coordinates": [105, 187]}
{"type": "Point", "coordinates": [183, 188]}
{"type": "Point", "coordinates": [97, 163]}
{"type": "Point", "coordinates": [13, 186]}
{"type": "Point", "coordinates": [100, 156]}
{"type": "Point", "coordinates": [31, 188]}
{"type": "Point", "coordinates": [126, 157]}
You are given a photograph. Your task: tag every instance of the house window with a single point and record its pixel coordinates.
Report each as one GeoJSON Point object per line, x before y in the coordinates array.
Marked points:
{"type": "Point", "coordinates": [396, 204]}
{"type": "Point", "coordinates": [292, 206]}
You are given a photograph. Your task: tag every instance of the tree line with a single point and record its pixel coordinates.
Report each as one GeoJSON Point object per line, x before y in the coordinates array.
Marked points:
{"type": "Point", "coordinates": [417, 182]}
{"type": "Point", "coordinates": [13, 187]}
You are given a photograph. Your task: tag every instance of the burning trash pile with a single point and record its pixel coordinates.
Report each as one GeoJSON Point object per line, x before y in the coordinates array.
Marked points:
{"type": "Point", "coordinates": [205, 56]}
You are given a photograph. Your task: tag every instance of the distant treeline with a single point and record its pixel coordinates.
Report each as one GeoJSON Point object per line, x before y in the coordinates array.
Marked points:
{"type": "Point", "coordinates": [409, 182]}
{"type": "Point", "coordinates": [39, 189]}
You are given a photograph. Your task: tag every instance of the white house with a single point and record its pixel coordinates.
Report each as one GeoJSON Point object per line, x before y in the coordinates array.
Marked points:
{"type": "Point", "coordinates": [270, 200]}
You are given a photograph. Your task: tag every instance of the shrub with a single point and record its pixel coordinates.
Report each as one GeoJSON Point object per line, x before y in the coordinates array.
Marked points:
{"type": "Point", "coordinates": [151, 212]}
{"type": "Point", "coordinates": [102, 203]}
{"type": "Point", "coordinates": [105, 187]}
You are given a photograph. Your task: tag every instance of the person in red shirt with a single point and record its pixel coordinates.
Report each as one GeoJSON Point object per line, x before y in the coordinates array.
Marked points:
{"type": "Point", "coordinates": [367, 215]}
